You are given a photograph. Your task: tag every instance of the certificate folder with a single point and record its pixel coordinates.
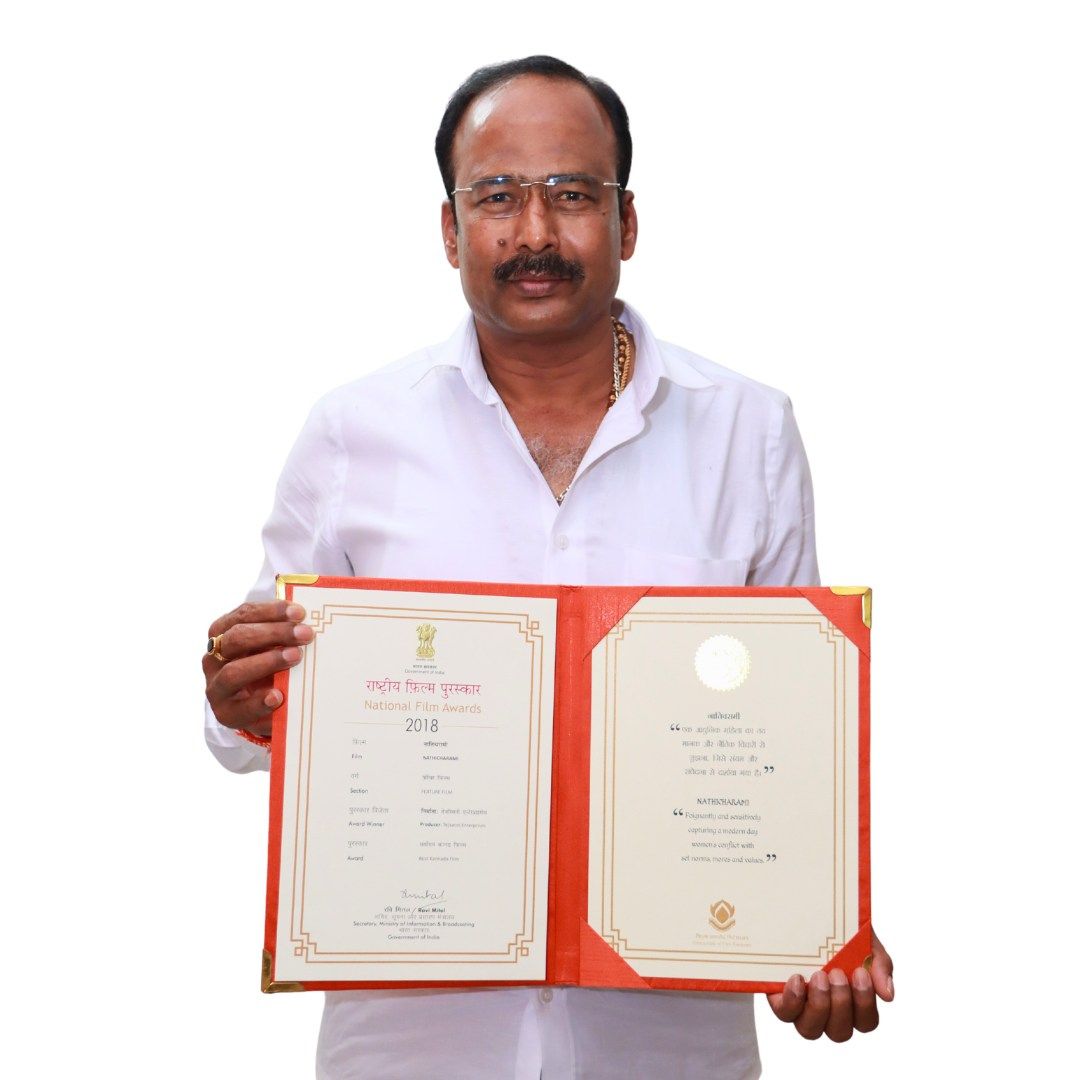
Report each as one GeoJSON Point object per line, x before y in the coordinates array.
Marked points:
{"type": "Point", "coordinates": [476, 784]}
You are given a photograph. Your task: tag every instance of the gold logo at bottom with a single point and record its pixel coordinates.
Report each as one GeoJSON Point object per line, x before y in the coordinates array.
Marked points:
{"type": "Point", "coordinates": [722, 915]}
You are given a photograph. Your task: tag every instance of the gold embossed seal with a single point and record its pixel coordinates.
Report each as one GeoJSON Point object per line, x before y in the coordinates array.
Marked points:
{"type": "Point", "coordinates": [722, 662]}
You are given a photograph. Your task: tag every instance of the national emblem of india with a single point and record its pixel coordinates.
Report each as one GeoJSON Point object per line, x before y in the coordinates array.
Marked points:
{"type": "Point", "coordinates": [426, 635]}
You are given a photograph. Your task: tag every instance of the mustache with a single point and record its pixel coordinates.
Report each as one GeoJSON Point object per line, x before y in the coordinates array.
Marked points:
{"type": "Point", "coordinates": [546, 264]}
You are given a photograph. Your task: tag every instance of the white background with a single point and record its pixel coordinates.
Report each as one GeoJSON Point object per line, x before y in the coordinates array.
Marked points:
{"type": "Point", "coordinates": [870, 205]}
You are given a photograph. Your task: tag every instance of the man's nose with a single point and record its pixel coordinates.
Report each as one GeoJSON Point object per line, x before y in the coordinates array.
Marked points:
{"type": "Point", "coordinates": [536, 224]}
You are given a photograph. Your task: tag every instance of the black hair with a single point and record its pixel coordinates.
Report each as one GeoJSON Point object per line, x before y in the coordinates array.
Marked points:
{"type": "Point", "coordinates": [485, 78]}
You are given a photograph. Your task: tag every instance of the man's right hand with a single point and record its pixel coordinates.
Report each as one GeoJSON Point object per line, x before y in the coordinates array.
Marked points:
{"type": "Point", "coordinates": [257, 640]}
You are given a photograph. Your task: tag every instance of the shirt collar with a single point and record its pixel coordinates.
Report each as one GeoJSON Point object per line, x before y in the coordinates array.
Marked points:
{"type": "Point", "coordinates": [651, 363]}
{"type": "Point", "coordinates": [461, 350]}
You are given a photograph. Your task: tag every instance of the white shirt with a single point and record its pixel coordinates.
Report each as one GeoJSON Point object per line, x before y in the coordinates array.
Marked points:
{"type": "Point", "coordinates": [696, 476]}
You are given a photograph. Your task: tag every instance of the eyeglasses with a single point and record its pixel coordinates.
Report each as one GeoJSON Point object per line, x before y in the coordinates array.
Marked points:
{"type": "Point", "coordinates": [506, 196]}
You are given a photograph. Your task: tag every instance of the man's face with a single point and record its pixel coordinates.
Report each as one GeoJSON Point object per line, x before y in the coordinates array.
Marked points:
{"type": "Point", "coordinates": [535, 127]}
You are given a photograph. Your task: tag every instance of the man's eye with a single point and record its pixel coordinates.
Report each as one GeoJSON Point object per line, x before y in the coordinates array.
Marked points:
{"type": "Point", "coordinates": [498, 198]}
{"type": "Point", "coordinates": [571, 199]}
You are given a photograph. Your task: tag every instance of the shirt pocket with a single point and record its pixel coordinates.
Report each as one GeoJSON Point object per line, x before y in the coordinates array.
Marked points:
{"type": "Point", "coordinates": [649, 568]}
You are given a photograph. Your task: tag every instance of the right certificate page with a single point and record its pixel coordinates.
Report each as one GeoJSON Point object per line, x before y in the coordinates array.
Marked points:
{"type": "Point", "coordinates": [724, 827]}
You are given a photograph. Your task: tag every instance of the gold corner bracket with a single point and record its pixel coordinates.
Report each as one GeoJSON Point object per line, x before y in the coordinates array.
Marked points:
{"type": "Point", "coordinates": [271, 987]}
{"type": "Point", "coordinates": [857, 590]}
{"type": "Point", "coordinates": [292, 579]}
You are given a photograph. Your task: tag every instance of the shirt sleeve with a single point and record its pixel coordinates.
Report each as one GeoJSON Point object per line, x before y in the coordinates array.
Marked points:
{"type": "Point", "coordinates": [299, 538]}
{"type": "Point", "coordinates": [789, 554]}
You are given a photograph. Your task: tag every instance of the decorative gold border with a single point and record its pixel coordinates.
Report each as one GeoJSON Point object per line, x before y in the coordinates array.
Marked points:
{"type": "Point", "coordinates": [519, 946]}
{"type": "Point", "coordinates": [526, 624]}
{"type": "Point", "coordinates": [292, 579]}
{"type": "Point", "coordinates": [613, 935]}
{"type": "Point", "coordinates": [834, 940]}
{"type": "Point", "coordinates": [271, 987]}
{"type": "Point", "coordinates": [857, 590]}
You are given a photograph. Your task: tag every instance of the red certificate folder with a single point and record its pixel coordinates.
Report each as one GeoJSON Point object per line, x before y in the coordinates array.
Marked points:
{"type": "Point", "coordinates": [576, 953]}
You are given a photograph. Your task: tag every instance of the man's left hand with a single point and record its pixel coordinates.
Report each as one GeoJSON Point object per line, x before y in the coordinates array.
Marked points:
{"type": "Point", "coordinates": [831, 1005]}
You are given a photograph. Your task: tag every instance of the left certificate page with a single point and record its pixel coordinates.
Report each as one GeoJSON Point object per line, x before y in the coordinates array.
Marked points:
{"type": "Point", "coordinates": [415, 804]}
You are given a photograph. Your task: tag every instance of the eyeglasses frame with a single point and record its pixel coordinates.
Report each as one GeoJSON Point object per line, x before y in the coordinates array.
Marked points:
{"type": "Point", "coordinates": [547, 183]}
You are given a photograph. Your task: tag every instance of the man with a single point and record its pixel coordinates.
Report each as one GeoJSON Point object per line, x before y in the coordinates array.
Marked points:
{"type": "Point", "coordinates": [550, 439]}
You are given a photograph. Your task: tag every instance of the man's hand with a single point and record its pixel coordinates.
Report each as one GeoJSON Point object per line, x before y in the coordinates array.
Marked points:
{"type": "Point", "coordinates": [256, 640]}
{"type": "Point", "coordinates": [831, 1005]}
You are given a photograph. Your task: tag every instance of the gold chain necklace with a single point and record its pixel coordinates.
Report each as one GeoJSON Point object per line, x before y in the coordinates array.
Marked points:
{"type": "Point", "coordinates": [621, 352]}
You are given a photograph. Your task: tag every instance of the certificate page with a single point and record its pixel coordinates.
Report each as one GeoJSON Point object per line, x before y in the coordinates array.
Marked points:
{"type": "Point", "coordinates": [723, 829]}
{"type": "Point", "coordinates": [415, 809]}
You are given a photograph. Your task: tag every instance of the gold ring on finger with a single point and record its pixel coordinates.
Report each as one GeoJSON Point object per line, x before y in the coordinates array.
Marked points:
{"type": "Point", "coordinates": [213, 648]}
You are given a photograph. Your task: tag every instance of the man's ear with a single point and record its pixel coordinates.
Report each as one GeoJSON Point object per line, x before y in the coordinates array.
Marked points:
{"type": "Point", "coordinates": [627, 226]}
{"type": "Point", "coordinates": [450, 235]}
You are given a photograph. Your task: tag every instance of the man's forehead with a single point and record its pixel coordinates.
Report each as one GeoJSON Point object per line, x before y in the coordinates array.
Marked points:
{"type": "Point", "coordinates": [557, 124]}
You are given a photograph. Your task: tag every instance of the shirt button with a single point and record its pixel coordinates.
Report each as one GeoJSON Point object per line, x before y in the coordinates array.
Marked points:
{"type": "Point", "coordinates": [546, 995]}
{"type": "Point", "coordinates": [562, 541]}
